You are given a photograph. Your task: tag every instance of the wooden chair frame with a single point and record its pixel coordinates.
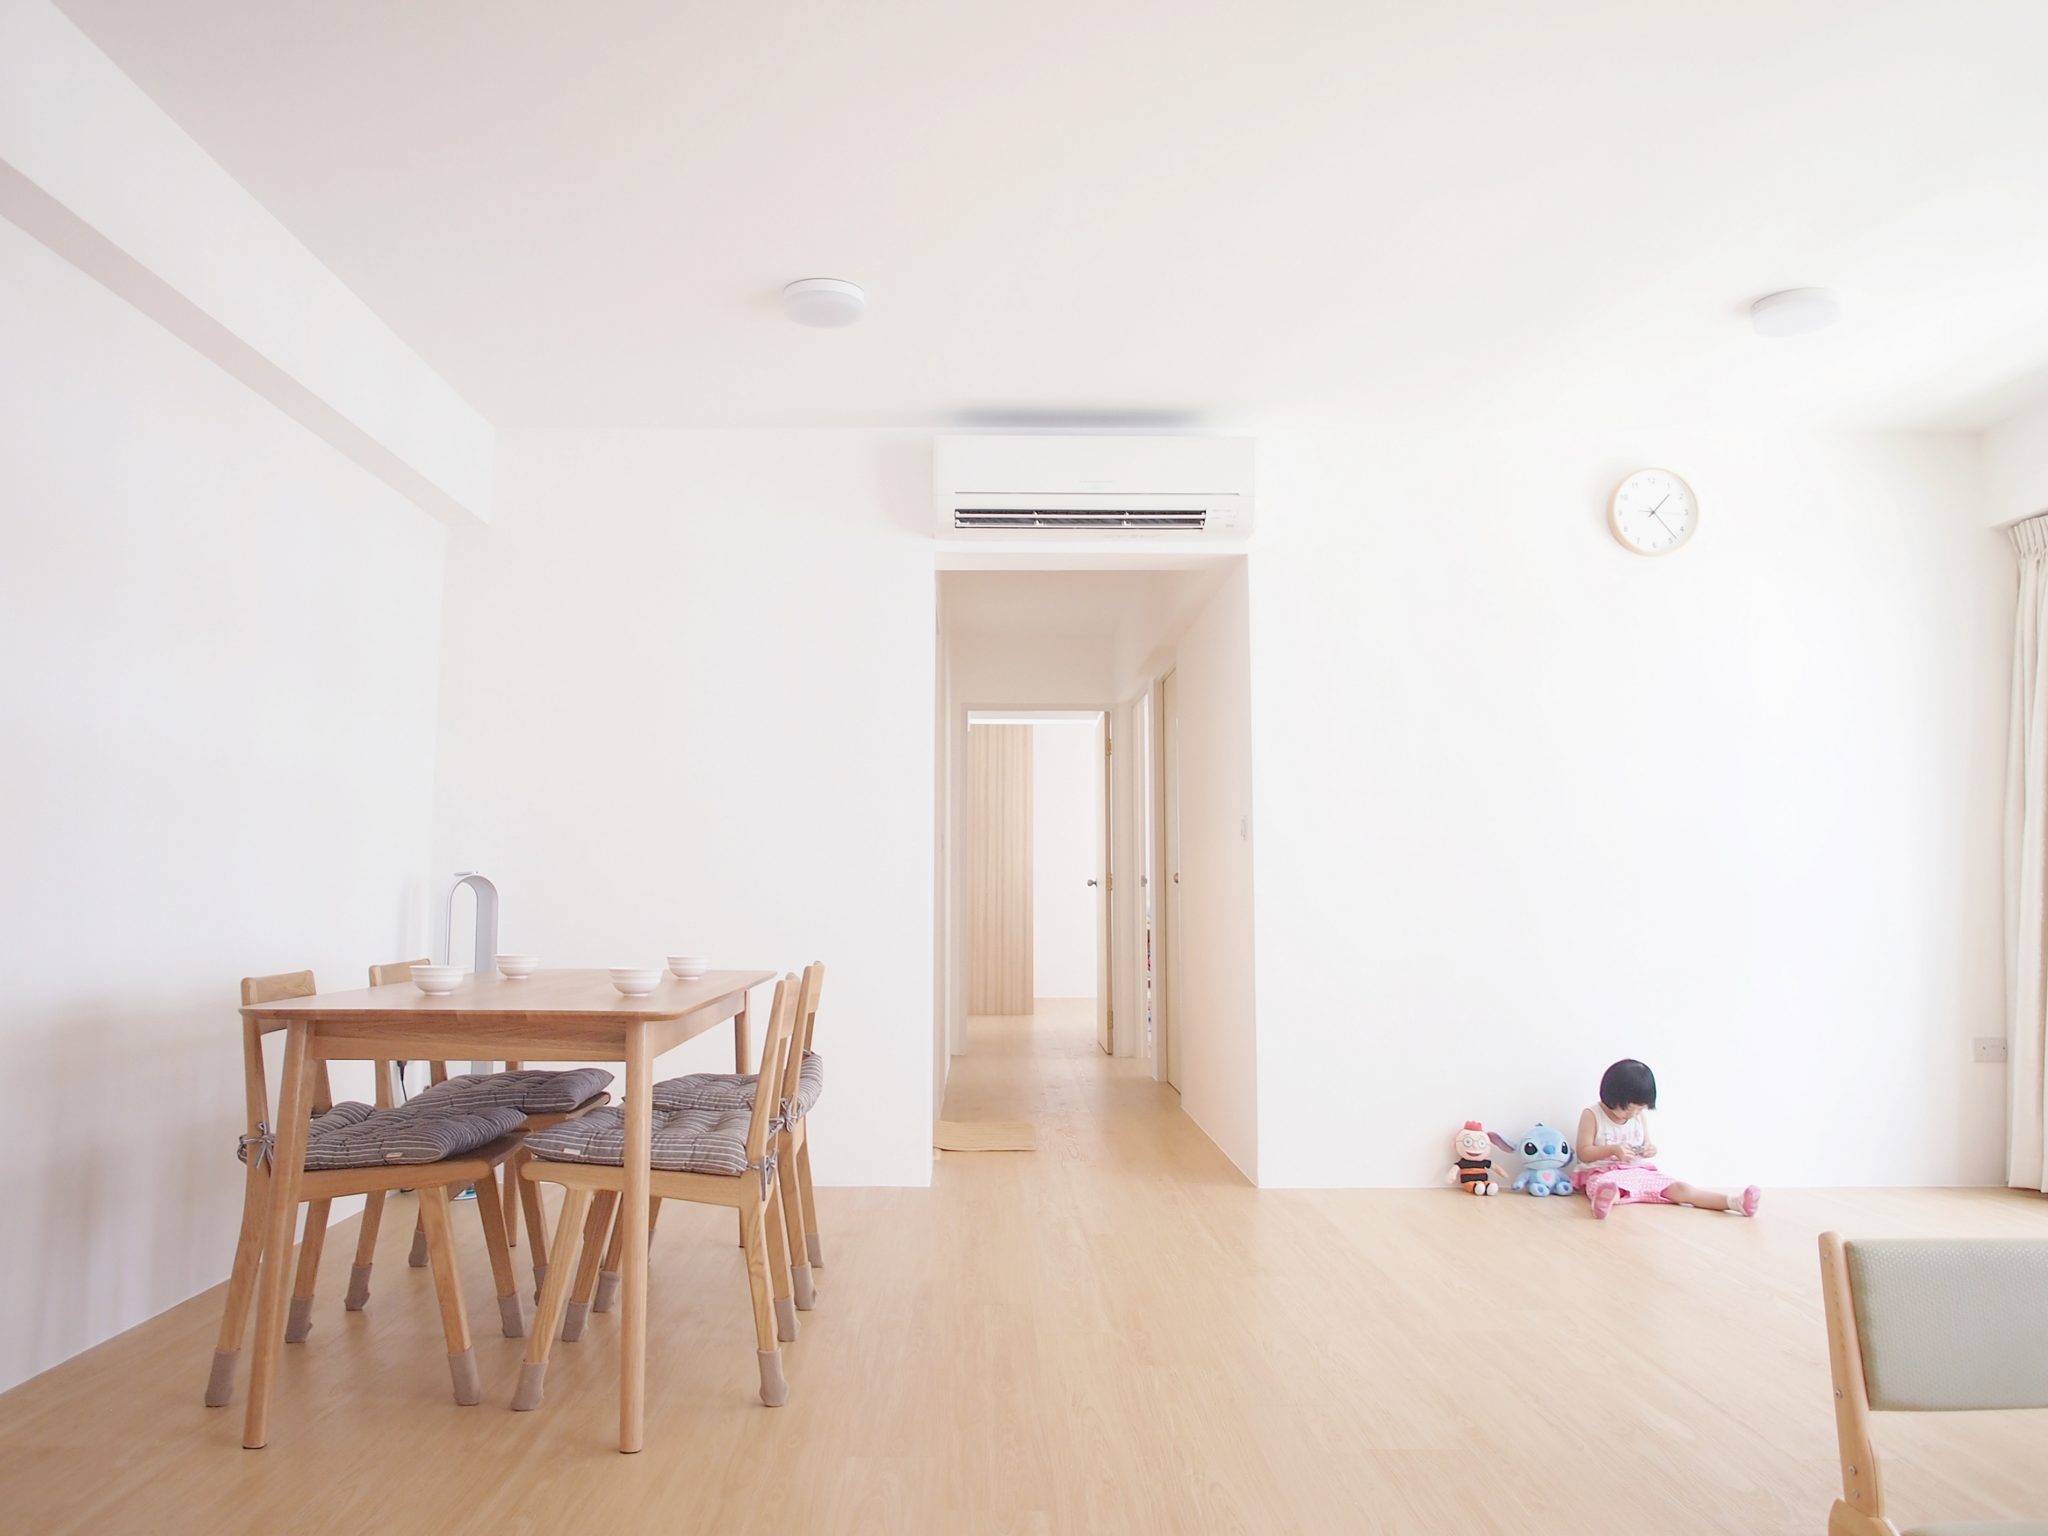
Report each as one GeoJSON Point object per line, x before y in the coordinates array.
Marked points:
{"type": "Point", "coordinates": [1860, 1510]}
{"type": "Point", "coordinates": [518, 1193]}
{"type": "Point", "coordinates": [756, 1197]}
{"type": "Point", "coordinates": [318, 1191]}
{"type": "Point", "coordinates": [596, 1292]}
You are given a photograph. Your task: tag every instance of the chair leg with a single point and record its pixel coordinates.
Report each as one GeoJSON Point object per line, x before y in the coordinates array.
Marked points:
{"type": "Point", "coordinates": [512, 1198]}
{"type": "Point", "coordinates": [418, 1257]}
{"type": "Point", "coordinates": [554, 1296]}
{"type": "Point", "coordinates": [490, 1209]}
{"type": "Point", "coordinates": [774, 1388]}
{"type": "Point", "coordinates": [813, 1248]}
{"type": "Point", "coordinates": [608, 1277]}
{"type": "Point", "coordinates": [790, 1212]}
{"type": "Point", "coordinates": [608, 1274]}
{"type": "Point", "coordinates": [595, 1226]}
{"type": "Point", "coordinates": [299, 1322]}
{"type": "Point", "coordinates": [536, 1229]}
{"type": "Point", "coordinates": [234, 1322]}
{"type": "Point", "coordinates": [448, 1287]}
{"type": "Point", "coordinates": [778, 1266]}
{"type": "Point", "coordinates": [366, 1252]}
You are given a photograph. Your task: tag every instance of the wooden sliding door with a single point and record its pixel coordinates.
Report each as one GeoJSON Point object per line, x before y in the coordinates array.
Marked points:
{"type": "Point", "coordinates": [999, 894]}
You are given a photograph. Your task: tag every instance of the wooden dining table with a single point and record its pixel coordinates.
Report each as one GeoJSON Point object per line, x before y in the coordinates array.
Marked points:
{"type": "Point", "coordinates": [549, 1016]}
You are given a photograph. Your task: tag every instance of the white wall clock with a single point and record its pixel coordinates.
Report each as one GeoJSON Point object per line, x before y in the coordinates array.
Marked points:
{"type": "Point", "coordinates": [1653, 512]}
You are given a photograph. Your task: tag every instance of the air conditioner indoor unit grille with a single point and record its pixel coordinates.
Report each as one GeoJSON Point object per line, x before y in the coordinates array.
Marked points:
{"type": "Point", "coordinates": [1187, 520]}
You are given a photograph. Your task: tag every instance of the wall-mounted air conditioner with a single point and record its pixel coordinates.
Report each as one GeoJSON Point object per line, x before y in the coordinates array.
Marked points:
{"type": "Point", "coordinates": [1028, 488]}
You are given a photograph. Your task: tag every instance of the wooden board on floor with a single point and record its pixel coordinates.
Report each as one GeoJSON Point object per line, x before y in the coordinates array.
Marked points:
{"type": "Point", "coordinates": [984, 1136]}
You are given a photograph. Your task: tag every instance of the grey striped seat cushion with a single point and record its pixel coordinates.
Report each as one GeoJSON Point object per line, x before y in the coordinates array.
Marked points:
{"type": "Point", "coordinates": [718, 1090]}
{"type": "Point", "coordinates": [352, 1135]}
{"type": "Point", "coordinates": [531, 1093]}
{"type": "Point", "coordinates": [694, 1139]}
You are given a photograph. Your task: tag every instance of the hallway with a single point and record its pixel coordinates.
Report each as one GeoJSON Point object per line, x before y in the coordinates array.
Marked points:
{"type": "Point", "coordinates": [1112, 1334]}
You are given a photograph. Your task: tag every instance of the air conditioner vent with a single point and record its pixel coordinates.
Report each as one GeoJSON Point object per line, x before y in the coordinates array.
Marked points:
{"type": "Point", "coordinates": [1028, 490]}
{"type": "Point", "coordinates": [1092, 519]}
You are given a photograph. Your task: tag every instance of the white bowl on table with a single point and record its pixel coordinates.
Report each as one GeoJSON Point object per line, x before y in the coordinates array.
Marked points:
{"type": "Point", "coordinates": [687, 967]}
{"type": "Point", "coordinates": [635, 981]}
{"type": "Point", "coordinates": [518, 967]}
{"type": "Point", "coordinates": [437, 980]}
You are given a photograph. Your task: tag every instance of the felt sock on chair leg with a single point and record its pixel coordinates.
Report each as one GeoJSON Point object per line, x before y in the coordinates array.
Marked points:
{"type": "Point", "coordinates": [462, 1369]}
{"type": "Point", "coordinates": [358, 1295]}
{"type": "Point", "coordinates": [418, 1257]}
{"type": "Point", "coordinates": [299, 1322]}
{"type": "Point", "coordinates": [510, 1319]}
{"type": "Point", "coordinates": [607, 1290]}
{"type": "Point", "coordinates": [573, 1320]}
{"type": "Point", "coordinates": [785, 1319]}
{"type": "Point", "coordinates": [533, 1377]}
{"type": "Point", "coordinates": [806, 1291]}
{"type": "Point", "coordinates": [220, 1383]}
{"type": "Point", "coordinates": [774, 1388]}
{"type": "Point", "coordinates": [814, 1249]}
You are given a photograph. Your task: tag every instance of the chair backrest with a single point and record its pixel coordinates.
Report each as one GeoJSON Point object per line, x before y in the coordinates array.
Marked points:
{"type": "Point", "coordinates": [776, 1050]}
{"type": "Point", "coordinates": [1951, 1323]}
{"type": "Point", "coordinates": [805, 1028]}
{"type": "Point", "coordinates": [1928, 1325]}
{"type": "Point", "coordinates": [384, 976]}
{"type": "Point", "coordinates": [255, 1084]}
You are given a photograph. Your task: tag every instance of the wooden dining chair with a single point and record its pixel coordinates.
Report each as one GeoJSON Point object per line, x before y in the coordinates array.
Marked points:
{"type": "Point", "coordinates": [359, 1149]}
{"type": "Point", "coordinates": [1933, 1325]}
{"type": "Point", "coordinates": [802, 1083]}
{"type": "Point", "coordinates": [518, 1194]}
{"type": "Point", "coordinates": [724, 1156]}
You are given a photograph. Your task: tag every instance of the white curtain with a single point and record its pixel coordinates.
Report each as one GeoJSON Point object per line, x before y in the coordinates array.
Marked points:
{"type": "Point", "coordinates": [2026, 869]}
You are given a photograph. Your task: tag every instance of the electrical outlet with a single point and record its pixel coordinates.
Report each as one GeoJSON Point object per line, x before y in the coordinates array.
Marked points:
{"type": "Point", "coordinates": [1989, 1049]}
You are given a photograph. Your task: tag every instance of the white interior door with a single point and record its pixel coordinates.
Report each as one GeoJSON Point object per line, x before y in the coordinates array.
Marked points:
{"type": "Point", "coordinates": [1168, 904]}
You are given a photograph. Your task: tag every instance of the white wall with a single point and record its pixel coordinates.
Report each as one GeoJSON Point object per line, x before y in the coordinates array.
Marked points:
{"type": "Point", "coordinates": [1221, 1057]}
{"type": "Point", "coordinates": [688, 704]}
{"type": "Point", "coordinates": [1528, 803]}
{"type": "Point", "coordinates": [2016, 466]}
{"type": "Point", "coordinates": [218, 704]}
{"type": "Point", "coordinates": [1066, 795]}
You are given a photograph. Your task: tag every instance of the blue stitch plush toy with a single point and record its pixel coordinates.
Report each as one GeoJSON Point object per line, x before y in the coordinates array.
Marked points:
{"type": "Point", "coordinates": [1545, 1156]}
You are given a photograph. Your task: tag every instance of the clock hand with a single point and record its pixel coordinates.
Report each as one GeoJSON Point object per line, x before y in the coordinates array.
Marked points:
{"type": "Point", "coordinates": [1654, 510]}
{"type": "Point", "coordinates": [1660, 521]}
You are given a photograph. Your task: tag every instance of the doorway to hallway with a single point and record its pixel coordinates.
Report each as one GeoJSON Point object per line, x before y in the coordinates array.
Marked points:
{"type": "Point", "coordinates": [1039, 865]}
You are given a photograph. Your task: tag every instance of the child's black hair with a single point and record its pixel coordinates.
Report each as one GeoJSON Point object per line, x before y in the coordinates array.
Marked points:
{"type": "Point", "coordinates": [1626, 1083]}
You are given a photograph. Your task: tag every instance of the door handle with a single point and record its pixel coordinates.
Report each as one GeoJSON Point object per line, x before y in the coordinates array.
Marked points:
{"type": "Point", "coordinates": [1091, 882]}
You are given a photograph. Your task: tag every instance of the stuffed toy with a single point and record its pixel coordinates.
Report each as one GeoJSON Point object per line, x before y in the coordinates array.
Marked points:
{"type": "Point", "coordinates": [1545, 1156]}
{"type": "Point", "coordinates": [1474, 1171]}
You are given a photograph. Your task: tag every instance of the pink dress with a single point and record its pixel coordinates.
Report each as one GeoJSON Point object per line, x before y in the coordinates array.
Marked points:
{"type": "Point", "coordinates": [1635, 1183]}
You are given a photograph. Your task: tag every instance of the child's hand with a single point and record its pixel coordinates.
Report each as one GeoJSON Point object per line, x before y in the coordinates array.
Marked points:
{"type": "Point", "coordinates": [1646, 1150]}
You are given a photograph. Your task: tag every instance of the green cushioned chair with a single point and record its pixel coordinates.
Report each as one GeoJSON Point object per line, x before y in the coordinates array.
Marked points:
{"type": "Point", "coordinates": [1929, 1326]}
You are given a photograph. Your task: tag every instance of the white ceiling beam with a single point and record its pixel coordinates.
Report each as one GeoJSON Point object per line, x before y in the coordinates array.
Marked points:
{"type": "Point", "coordinates": [94, 169]}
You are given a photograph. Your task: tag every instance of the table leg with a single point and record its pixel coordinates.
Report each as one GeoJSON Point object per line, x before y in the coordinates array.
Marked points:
{"type": "Point", "coordinates": [633, 1260]}
{"type": "Point", "coordinates": [287, 1162]}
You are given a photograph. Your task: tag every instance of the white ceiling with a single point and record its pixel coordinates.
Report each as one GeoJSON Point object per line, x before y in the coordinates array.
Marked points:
{"type": "Point", "coordinates": [1154, 211]}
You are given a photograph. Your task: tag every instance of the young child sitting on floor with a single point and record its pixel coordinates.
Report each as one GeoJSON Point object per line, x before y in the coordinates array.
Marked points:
{"type": "Point", "coordinates": [1615, 1151]}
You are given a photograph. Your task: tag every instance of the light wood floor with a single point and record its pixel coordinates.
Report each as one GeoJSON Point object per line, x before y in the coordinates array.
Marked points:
{"type": "Point", "coordinates": [1111, 1334]}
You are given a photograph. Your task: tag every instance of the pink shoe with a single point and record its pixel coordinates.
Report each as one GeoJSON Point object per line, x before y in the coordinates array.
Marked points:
{"type": "Point", "coordinates": [1752, 1197]}
{"type": "Point", "coordinates": [1603, 1200]}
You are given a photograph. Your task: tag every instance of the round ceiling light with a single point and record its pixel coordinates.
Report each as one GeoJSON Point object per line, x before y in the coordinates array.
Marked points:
{"type": "Point", "coordinates": [823, 301]}
{"type": "Point", "coordinates": [1795, 312]}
